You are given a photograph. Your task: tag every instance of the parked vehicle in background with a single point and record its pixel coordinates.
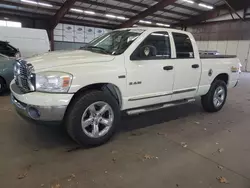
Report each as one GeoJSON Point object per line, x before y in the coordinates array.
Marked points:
{"type": "Point", "coordinates": [6, 72]}
{"type": "Point", "coordinates": [8, 50]}
{"type": "Point", "coordinates": [134, 70]}
{"type": "Point", "coordinates": [30, 42]}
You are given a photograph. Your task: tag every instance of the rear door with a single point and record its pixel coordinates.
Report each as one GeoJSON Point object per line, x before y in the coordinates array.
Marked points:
{"type": "Point", "coordinates": [187, 67]}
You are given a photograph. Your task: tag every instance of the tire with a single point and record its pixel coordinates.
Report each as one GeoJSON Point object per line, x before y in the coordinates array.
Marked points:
{"type": "Point", "coordinates": [2, 85]}
{"type": "Point", "coordinates": [209, 102]}
{"type": "Point", "coordinates": [82, 105]}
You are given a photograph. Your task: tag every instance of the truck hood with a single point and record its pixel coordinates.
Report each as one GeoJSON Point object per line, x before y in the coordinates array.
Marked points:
{"type": "Point", "coordinates": [64, 58]}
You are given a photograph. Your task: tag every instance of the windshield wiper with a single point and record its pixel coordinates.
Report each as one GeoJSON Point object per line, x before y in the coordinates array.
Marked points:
{"type": "Point", "coordinates": [99, 48]}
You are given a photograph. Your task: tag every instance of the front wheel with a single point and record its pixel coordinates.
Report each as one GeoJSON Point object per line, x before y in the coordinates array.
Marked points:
{"type": "Point", "coordinates": [215, 99]}
{"type": "Point", "coordinates": [92, 118]}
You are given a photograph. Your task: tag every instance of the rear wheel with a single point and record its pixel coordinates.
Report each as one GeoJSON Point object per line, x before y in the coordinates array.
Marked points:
{"type": "Point", "coordinates": [215, 99]}
{"type": "Point", "coordinates": [92, 118]}
{"type": "Point", "coordinates": [2, 85]}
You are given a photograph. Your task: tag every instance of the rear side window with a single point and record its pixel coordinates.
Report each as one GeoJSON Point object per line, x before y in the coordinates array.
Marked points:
{"type": "Point", "coordinates": [155, 46]}
{"type": "Point", "coordinates": [183, 45]}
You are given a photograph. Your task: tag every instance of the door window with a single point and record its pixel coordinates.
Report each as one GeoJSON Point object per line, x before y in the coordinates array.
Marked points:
{"type": "Point", "coordinates": [155, 46]}
{"type": "Point", "coordinates": [183, 46]}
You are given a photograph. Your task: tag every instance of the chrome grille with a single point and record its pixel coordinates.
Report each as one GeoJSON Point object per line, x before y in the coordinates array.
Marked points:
{"type": "Point", "coordinates": [24, 77]}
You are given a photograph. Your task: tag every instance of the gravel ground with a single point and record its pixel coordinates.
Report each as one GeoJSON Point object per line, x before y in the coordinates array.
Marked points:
{"type": "Point", "coordinates": [177, 147]}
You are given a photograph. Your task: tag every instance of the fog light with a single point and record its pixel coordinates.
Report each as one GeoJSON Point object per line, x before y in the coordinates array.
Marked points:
{"type": "Point", "coordinates": [33, 113]}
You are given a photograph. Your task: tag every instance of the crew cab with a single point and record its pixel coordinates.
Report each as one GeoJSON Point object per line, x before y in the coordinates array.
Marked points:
{"type": "Point", "coordinates": [130, 70]}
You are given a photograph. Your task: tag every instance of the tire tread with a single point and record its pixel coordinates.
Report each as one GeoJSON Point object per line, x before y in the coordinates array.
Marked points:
{"type": "Point", "coordinates": [77, 104]}
{"type": "Point", "coordinates": [207, 100]}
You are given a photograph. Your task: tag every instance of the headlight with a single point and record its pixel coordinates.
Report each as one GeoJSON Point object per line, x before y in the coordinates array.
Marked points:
{"type": "Point", "coordinates": [54, 82]}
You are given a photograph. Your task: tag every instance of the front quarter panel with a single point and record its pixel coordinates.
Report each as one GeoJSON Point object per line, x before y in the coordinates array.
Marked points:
{"type": "Point", "coordinates": [102, 72]}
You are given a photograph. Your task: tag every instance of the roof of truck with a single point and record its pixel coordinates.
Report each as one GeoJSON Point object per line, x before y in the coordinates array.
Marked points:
{"type": "Point", "coordinates": [155, 29]}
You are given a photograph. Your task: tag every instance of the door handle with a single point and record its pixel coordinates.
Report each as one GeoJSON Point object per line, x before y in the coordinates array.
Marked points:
{"type": "Point", "coordinates": [195, 66]}
{"type": "Point", "coordinates": [167, 68]}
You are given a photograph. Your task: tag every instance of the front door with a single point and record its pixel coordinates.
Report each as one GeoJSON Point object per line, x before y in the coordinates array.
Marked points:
{"type": "Point", "coordinates": [187, 67]}
{"type": "Point", "coordinates": [150, 72]}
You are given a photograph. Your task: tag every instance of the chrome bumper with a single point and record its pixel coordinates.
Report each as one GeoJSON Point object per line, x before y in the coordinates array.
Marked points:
{"type": "Point", "coordinates": [40, 113]}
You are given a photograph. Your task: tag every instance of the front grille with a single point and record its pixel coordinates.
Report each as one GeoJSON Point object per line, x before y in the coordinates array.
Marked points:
{"type": "Point", "coordinates": [24, 77]}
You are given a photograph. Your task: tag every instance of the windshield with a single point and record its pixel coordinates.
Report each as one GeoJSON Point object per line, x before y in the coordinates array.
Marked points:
{"type": "Point", "coordinates": [115, 42]}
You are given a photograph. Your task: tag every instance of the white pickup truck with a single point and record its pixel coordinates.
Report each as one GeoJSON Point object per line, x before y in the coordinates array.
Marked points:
{"type": "Point", "coordinates": [133, 70]}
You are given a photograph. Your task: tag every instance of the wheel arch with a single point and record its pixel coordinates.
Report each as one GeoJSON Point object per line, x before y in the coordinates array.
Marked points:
{"type": "Point", "coordinates": [105, 87]}
{"type": "Point", "coordinates": [223, 76]}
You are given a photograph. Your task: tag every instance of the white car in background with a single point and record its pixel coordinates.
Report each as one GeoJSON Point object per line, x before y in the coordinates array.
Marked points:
{"type": "Point", "coordinates": [133, 70]}
{"type": "Point", "coordinates": [28, 41]}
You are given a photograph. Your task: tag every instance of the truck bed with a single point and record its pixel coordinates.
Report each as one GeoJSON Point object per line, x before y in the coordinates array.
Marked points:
{"type": "Point", "coordinates": [203, 56]}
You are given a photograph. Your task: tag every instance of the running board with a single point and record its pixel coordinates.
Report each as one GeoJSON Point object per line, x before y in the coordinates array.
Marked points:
{"type": "Point", "coordinates": [158, 107]}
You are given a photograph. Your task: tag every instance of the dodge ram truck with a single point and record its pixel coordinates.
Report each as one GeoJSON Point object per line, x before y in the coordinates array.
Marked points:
{"type": "Point", "coordinates": [132, 70]}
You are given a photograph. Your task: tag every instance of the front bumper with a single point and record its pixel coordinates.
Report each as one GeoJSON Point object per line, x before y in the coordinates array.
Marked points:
{"type": "Point", "coordinates": [41, 113]}
{"type": "Point", "coordinates": [40, 106]}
